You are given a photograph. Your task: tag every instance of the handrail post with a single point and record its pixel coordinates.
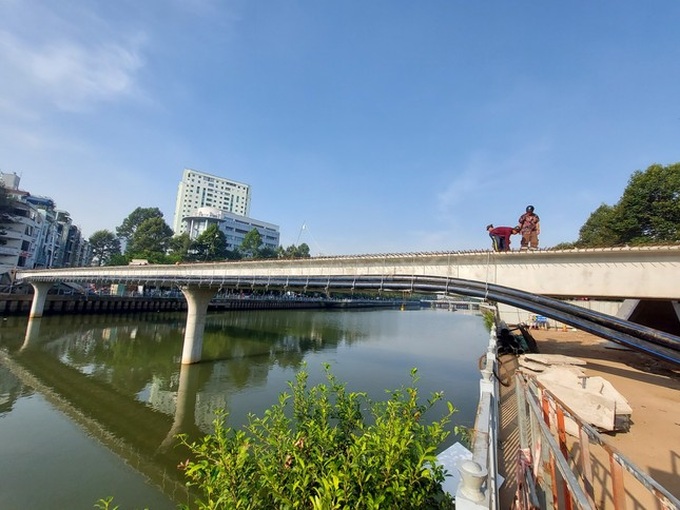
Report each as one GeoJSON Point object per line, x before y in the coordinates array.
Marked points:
{"type": "Point", "coordinates": [472, 478]}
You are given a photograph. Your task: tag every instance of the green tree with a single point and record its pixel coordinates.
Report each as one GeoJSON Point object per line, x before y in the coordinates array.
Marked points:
{"type": "Point", "coordinates": [294, 252]}
{"type": "Point", "coordinates": [302, 251]}
{"type": "Point", "coordinates": [179, 247]}
{"type": "Point", "coordinates": [647, 213]}
{"type": "Point", "coordinates": [211, 244]}
{"type": "Point", "coordinates": [127, 229]}
{"type": "Point", "coordinates": [150, 240]}
{"type": "Point", "coordinates": [600, 229]}
{"type": "Point", "coordinates": [649, 210]}
{"type": "Point", "coordinates": [267, 252]}
{"type": "Point", "coordinates": [250, 247]}
{"type": "Point", "coordinates": [233, 255]}
{"type": "Point", "coordinates": [118, 260]}
{"type": "Point", "coordinates": [104, 245]}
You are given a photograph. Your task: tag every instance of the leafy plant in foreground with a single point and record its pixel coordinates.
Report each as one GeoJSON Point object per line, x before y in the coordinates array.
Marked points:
{"type": "Point", "coordinates": [325, 448]}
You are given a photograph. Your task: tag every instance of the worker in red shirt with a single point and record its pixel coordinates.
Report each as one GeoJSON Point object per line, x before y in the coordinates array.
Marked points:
{"type": "Point", "coordinates": [500, 236]}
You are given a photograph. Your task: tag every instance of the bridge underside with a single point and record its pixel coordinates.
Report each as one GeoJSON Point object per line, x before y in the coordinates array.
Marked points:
{"type": "Point", "coordinates": [654, 313]}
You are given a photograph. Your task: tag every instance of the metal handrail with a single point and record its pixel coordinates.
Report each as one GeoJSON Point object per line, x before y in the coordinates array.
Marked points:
{"type": "Point", "coordinates": [541, 415]}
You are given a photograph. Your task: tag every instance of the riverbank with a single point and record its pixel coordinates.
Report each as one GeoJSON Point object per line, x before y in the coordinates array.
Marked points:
{"type": "Point", "coordinates": [69, 304]}
{"type": "Point", "coordinates": [651, 387]}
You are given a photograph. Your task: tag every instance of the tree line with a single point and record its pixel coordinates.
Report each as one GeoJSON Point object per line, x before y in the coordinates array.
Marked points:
{"type": "Point", "coordinates": [144, 234]}
{"type": "Point", "coordinates": [647, 213]}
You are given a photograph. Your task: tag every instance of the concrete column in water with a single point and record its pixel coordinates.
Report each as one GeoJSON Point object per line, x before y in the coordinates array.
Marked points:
{"type": "Point", "coordinates": [198, 299]}
{"type": "Point", "coordinates": [40, 290]}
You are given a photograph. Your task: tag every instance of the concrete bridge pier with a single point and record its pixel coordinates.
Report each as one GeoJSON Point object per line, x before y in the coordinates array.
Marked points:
{"type": "Point", "coordinates": [198, 299]}
{"type": "Point", "coordinates": [40, 290]}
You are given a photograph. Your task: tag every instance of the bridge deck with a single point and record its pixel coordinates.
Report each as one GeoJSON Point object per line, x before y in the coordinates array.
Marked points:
{"type": "Point", "coordinates": [639, 272]}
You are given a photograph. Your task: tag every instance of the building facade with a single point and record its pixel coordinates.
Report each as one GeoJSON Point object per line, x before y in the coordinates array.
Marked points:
{"type": "Point", "coordinates": [199, 189]}
{"type": "Point", "coordinates": [234, 226]}
{"type": "Point", "coordinates": [33, 233]}
{"type": "Point", "coordinates": [22, 227]}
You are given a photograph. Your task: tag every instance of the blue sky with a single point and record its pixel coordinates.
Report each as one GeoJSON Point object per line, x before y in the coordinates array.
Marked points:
{"type": "Point", "coordinates": [382, 126]}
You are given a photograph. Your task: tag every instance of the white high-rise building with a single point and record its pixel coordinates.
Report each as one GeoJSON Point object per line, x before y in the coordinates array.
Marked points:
{"type": "Point", "coordinates": [199, 189]}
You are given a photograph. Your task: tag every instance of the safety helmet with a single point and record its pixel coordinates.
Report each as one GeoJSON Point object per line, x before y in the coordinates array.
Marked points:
{"type": "Point", "coordinates": [530, 208]}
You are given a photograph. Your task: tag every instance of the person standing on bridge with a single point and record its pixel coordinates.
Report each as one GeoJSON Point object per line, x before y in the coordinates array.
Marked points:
{"type": "Point", "coordinates": [500, 236]}
{"type": "Point", "coordinates": [529, 227]}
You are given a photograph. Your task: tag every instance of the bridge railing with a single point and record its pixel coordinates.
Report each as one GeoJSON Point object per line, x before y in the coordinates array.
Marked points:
{"type": "Point", "coordinates": [478, 487]}
{"type": "Point", "coordinates": [556, 471]}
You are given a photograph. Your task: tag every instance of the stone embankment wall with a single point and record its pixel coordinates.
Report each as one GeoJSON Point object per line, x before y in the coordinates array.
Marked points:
{"type": "Point", "coordinates": [20, 304]}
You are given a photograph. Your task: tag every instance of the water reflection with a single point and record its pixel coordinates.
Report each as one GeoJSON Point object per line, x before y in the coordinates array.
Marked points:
{"type": "Point", "coordinates": [11, 390]}
{"type": "Point", "coordinates": [120, 376]}
{"type": "Point", "coordinates": [132, 365]}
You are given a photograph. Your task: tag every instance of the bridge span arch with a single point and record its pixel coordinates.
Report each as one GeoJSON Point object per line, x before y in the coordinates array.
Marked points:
{"type": "Point", "coordinates": [532, 281]}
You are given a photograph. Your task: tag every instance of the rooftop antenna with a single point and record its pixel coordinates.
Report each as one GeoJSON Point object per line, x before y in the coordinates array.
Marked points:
{"type": "Point", "coordinates": [303, 228]}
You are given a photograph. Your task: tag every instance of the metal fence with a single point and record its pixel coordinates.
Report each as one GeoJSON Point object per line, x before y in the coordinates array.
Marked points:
{"type": "Point", "coordinates": [558, 471]}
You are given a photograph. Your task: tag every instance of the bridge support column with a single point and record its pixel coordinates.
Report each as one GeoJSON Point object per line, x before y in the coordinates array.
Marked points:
{"type": "Point", "coordinates": [40, 290]}
{"type": "Point", "coordinates": [198, 299]}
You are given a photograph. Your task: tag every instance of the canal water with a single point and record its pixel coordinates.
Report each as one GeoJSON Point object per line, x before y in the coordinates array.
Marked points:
{"type": "Point", "coordinates": [90, 405]}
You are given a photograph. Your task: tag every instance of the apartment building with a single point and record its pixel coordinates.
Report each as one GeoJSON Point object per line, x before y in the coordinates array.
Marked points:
{"type": "Point", "coordinates": [33, 233]}
{"type": "Point", "coordinates": [199, 189]}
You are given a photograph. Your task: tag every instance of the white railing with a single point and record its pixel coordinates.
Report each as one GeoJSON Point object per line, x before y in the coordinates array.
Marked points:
{"type": "Point", "coordinates": [478, 488]}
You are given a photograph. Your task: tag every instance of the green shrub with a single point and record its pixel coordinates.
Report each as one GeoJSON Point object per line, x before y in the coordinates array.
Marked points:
{"type": "Point", "coordinates": [489, 318]}
{"type": "Point", "coordinates": [333, 449]}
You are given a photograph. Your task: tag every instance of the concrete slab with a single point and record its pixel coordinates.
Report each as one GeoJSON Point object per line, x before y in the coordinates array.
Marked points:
{"type": "Point", "coordinates": [593, 399]}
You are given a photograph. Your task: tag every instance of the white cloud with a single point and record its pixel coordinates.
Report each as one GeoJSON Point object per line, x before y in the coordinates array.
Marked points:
{"type": "Point", "coordinates": [67, 74]}
{"type": "Point", "coordinates": [64, 57]}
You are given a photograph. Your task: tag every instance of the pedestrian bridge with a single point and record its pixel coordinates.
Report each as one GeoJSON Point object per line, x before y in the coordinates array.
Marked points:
{"type": "Point", "coordinates": [527, 280]}
{"type": "Point", "coordinates": [618, 273]}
